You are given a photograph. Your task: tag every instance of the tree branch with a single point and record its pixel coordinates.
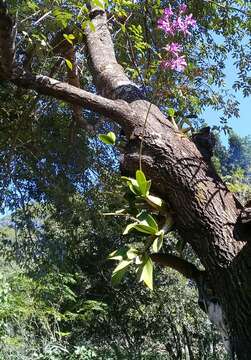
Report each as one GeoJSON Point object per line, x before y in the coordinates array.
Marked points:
{"type": "Point", "coordinates": [109, 77]}
{"type": "Point", "coordinates": [184, 267]}
{"type": "Point", "coordinates": [67, 50]}
{"type": "Point", "coordinates": [117, 110]}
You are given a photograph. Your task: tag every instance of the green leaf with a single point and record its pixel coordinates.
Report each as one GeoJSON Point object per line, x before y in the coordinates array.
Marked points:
{"type": "Point", "coordinates": [69, 38]}
{"type": "Point", "coordinates": [118, 254]}
{"type": "Point", "coordinates": [132, 253]}
{"type": "Point", "coordinates": [134, 189]}
{"type": "Point", "coordinates": [98, 3]}
{"type": "Point", "coordinates": [123, 264]}
{"type": "Point", "coordinates": [145, 272]}
{"type": "Point", "coordinates": [120, 271]}
{"type": "Point", "coordinates": [92, 26]}
{"type": "Point", "coordinates": [147, 219]}
{"type": "Point", "coordinates": [132, 184]}
{"type": "Point", "coordinates": [108, 139]}
{"type": "Point", "coordinates": [69, 64]}
{"type": "Point", "coordinates": [123, 253]}
{"type": "Point", "coordinates": [129, 228]}
{"type": "Point", "coordinates": [158, 242]}
{"type": "Point", "coordinates": [155, 201]}
{"type": "Point", "coordinates": [171, 112]}
{"type": "Point", "coordinates": [144, 228]}
{"type": "Point", "coordinates": [146, 225]}
{"type": "Point", "coordinates": [143, 184]}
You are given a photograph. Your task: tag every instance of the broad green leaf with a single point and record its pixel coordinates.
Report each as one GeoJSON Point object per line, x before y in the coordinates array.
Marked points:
{"type": "Point", "coordinates": [120, 271]}
{"type": "Point", "coordinates": [134, 189]}
{"type": "Point", "coordinates": [132, 253]}
{"type": "Point", "coordinates": [144, 228]}
{"type": "Point", "coordinates": [123, 264]}
{"type": "Point", "coordinates": [145, 272]}
{"type": "Point", "coordinates": [155, 201]}
{"type": "Point", "coordinates": [142, 182]}
{"type": "Point", "coordinates": [118, 254]}
{"type": "Point", "coordinates": [158, 242]}
{"type": "Point", "coordinates": [132, 184]}
{"type": "Point", "coordinates": [123, 253]}
{"type": "Point", "coordinates": [146, 224]}
{"type": "Point", "coordinates": [69, 64]}
{"type": "Point", "coordinates": [147, 219]}
{"type": "Point", "coordinates": [129, 228]}
{"type": "Point", "coordinates": [133, 181]}
{"type": "Point", "coordinates": [108, 139]}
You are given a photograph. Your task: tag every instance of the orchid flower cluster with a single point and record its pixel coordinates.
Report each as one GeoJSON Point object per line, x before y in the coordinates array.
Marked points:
{"type": "Point", "coordinates": [173, 24]}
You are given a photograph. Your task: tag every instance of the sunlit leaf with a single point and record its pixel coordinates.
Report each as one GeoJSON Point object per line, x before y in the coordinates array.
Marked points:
{"type": "Point", "coordinates": [145, 272]}
{"type": "Point", "coordinates": [147, 219]}
{"type": "Point", "coordinates": [69, 38]}
{"type": "Point", "coordinates": [69, 64]}
{"type": "Point", "coordinates": [120, 271]}
{"type": "Point", "coordinates": [142, 182]}
{"type": "Point", "coordinates": [129, 228]}
{"type": "Point", "coordinates": [158, 242]}
{"type": "Point", "coordinates": [108, 139]}
{"type": "Point", "coordinates": [171, 112]}
{"type": "Point", "coordinates": [144, 228]}
{"type": "Point", "coordinates": [155, 201]}
{"type": "Point", "coordinates": [132, 184]}
{"type": "Point", "coordinates": [118, 254]}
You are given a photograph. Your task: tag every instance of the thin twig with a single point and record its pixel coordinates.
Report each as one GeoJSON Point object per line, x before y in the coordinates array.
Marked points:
{"type": "Point", "coordinates": [30, 16]}
{"type": "Point", "coordinates": [42, 17]}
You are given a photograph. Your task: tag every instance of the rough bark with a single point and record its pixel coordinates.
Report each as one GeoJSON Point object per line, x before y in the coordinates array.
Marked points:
{"type": "Point", "coordinates": [206, 213]}
{"type": "Point", "coordinates": [118, 110]}
{"type": "Point", "coordinates": [7, 42]}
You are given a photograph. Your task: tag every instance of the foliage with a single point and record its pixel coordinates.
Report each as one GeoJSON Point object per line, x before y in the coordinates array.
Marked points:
{"type": "Point", "coordinates": [75, 311]}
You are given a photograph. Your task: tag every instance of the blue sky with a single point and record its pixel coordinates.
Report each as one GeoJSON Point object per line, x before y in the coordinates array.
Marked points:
{"type": "Point", "coordinates": [241, 125]}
